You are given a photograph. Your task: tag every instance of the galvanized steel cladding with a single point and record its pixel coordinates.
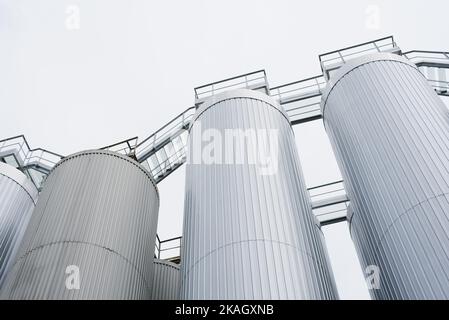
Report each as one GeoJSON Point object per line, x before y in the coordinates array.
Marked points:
{"type": "Point", "coordinates": [249, 235]}
{"type": "Point", "coordinates": [98, 212]}
{"type": "Point", "coordinates": [18, 196]}
{"type": "Point", "coordinates": [390, 133]}
{"type": "Point", "coordinates": [166, 282]}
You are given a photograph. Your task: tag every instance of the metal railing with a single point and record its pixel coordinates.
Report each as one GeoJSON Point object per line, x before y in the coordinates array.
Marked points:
{"type": "Point", "coordinates": [35, 163]}
{"type": "Point", "coordinates": [301, 99]}
{"type": "Point", "coordinates": [158, 139]}
{"type": "Point", "coordinates": [329, 202]}
{"type": "Point", "coordinates": [169, 249]}
{"type": "Point", "coordinates": [332, 214]}
{"type": "Point", "coordinates": [440, 86]}
{"type": "Point", "coordinates": [17, 147]}
{"type": "Point", "coordinates": [332, 60]}
{"type": "Point", "coordinates": [435, 67]}
{"type": "Point", "coordinates": [165, 150]}
{"type": "Point", "coordinates": [428, 58]}
{"type": "Point", "coordinates": [322, 193]}
{"type": "Point", "coordinates": [126, 147]}
{"type": "Point", "coordinates": [41, 159]}
{"type": "Point", "coordinates": [256, 80]}
{"type": "Point", "coordinates": [161, 165]}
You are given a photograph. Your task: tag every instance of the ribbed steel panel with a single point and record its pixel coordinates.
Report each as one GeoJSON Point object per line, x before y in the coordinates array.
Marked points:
{"type": "Point", "coordinates": [18, 197]}
{"type": "Point", "coordinates": [249, 235]}
{"type": "Point", "coordinates": [390, 133]}
{"type": "Point", "coordinates": [166, 282]}
{"type": "Point", "coordinates": [98, 211]}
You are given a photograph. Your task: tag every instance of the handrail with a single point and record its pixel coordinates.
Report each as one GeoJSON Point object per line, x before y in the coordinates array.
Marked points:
{"type": "Point", "coordinates": [166, 125]}
{"type": "Point", "coordinates": [47, 151]}
{"type": "Point", "coordinates": [252, 83]}
{"type": "Point", "coordinates": [126, 141]}
{"type": "Point", "coordinates": [358, 45]}
{"type": "Point", "coordinates": [182, 121]}
{"type": "Point", "coordinates": [325, 185]}
{"type": "Point", "coordinates": [325, 218]}
{"type": "Point", "coordinates": [301, 100]}
{"type": "Point", "coordinates": [445, 53]}
{"type": "Point", "coordinates": [159, 247]}
{"type": "Point", "coordinates": [15, 137]}
{"type": "Point", "coordinates": [229, 79]}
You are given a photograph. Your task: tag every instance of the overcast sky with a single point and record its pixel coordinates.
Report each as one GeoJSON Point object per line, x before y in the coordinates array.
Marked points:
{"type": "Point", "coordinates": [83, 74]}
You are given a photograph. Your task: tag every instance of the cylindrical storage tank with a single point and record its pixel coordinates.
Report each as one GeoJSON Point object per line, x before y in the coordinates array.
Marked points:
{"type": "Point", "coordinates": [390, 133]}
{"type": "Point", "coordinates": [92, 233]}
{"type": "Point", "coordinates": [18, 197]}
{"type": "Point", "coordinates": [166, 281]}
{"type": "Point", "coordinates": [249, 230]}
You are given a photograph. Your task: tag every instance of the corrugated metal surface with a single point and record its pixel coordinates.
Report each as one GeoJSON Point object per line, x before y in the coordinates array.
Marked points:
{"type": "Point", "coordinates": [249, 235]}
{"type": "Point", "coordinates": [166, 282]}
{"type": "Point", "coordinates": [18, 196]}
{"type": "Point", "coordinates": [97, 211]}
{"type": "Point", "coordinates": [390, 133]}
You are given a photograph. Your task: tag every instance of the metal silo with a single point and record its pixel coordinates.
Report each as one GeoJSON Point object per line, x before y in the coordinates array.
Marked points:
{"type": "Point", "coordinates": [166, 280]}
{"type": "Point", "coordinates": [390, 133]}
{"type": "Point", "coordinates": [92, 233]}
{"type": "Point", "coordinates": [18, 197]}
{"type": "Point", "coordinates": [249, 231]}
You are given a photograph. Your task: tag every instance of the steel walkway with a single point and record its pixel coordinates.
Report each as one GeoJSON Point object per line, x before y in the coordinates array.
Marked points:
{"type": "Point", "coordinates": [165, 150]}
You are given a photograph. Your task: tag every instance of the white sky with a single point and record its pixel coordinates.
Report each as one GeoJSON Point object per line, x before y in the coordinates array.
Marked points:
{"type": "Point", "coordinates": [132, 66]}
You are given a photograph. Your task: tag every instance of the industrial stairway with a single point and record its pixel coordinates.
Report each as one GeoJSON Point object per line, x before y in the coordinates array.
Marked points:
{"type": "Point", "coordinates": [165, 150]}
